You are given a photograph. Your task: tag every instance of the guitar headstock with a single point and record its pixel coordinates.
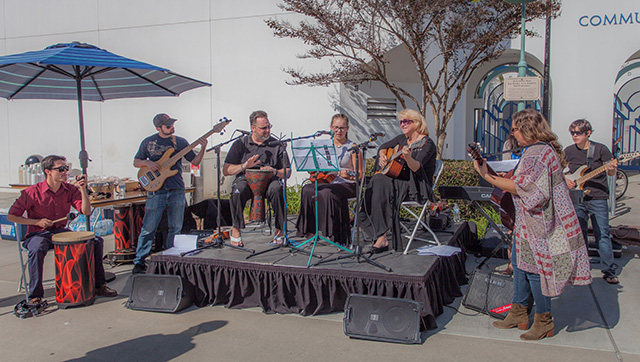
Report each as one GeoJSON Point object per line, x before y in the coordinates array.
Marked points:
{"type": "Point", "coordinates": [628, 157]}
{"type": "Point", "coordinates": [475, 151]}
{"type": "Point", "coordinates": [222, 123]}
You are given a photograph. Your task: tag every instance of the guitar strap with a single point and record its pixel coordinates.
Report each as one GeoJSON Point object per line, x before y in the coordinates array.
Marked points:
{"type": "Point", "coordinates": [590, 154]}
{"type": "Point", "coordinates": [175, 144]}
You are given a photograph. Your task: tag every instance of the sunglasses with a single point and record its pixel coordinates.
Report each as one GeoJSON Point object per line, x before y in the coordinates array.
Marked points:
{"type": "Point", "coordinates": [577, 133]}
{"type": "Point", "coordinates": [61, 168]}
{"type": "Point", "coordinates": [405, 121]}
{"type": "Point", "coordinates": [339, 128]}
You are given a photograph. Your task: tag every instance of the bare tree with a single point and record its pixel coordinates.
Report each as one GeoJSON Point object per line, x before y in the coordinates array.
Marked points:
{"type": "Point", "coordinates": [447, 40]}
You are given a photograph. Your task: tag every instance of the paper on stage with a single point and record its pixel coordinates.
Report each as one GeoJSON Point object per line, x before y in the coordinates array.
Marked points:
{"type": "Point", "coordinates": [442, 250]}
{"type": "Point", "coordinates": [503, 166]}
{"type": "Point", "coordinates": [182, 243]}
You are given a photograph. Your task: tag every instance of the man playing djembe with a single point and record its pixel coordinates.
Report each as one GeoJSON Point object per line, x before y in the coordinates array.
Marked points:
{"type": "Point", "coordinates": [259, 150]}
{"type": "Point", "coordinates": [44, 203]}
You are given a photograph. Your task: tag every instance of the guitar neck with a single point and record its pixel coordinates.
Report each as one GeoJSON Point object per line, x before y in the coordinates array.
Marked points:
{"type": "Point", "coordinates": [173, 159]}
{"type": "Point", "coordinates": [591, 174]}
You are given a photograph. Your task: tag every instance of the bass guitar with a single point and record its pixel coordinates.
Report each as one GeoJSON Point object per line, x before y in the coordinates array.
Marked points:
{"type": "Point", "coordinates": [583, 174]}
{"type": "Point", "coordinates": [395, 161]}
{"type": "Point", "coordinates": [153, 180]}
{"type": "Point", "coordinates": [499, 197]}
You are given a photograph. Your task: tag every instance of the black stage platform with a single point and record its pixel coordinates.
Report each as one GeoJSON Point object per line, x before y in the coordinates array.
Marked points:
{"type": "Point", "coordinates": [280, 282]}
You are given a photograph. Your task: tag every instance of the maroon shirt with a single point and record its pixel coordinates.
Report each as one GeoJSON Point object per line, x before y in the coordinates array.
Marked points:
{"type": "Point", "coordinates": [39, 201]}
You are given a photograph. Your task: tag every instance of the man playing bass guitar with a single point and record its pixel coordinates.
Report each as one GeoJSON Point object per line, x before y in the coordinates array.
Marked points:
{"type": "Point", "coordinates": [170, 196]}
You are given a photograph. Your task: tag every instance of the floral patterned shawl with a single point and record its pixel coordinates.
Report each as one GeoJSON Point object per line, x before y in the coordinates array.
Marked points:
{"type": "Point", "coordinates": [548, 238]}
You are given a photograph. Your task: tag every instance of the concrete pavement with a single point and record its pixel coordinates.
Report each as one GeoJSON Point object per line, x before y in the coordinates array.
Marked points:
{"type": "Point", "coordinates": [597, 323]}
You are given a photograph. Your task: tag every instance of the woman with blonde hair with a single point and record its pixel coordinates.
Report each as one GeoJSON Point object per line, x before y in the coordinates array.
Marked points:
{"type": "Point", "coordinates": [386, 191]}
{"type": "Point", "coordinates": [548, 251]}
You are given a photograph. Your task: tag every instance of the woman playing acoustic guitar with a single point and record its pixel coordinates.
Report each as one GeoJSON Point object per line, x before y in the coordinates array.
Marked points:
{"type": "Point", "coordinates": [334, 189]}
{"type": "Point", "coordinates": [405, 173]}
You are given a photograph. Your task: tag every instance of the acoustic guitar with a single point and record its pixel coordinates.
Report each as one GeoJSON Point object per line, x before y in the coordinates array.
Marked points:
{"type": "Point", "coordinates": [583, 174]}
{"type": "Point", "coordinates": [153, 180]}
{"type": "Point", "coordinates": [395, 160]}
{"type": "Point", "coordinates": [499, 197]}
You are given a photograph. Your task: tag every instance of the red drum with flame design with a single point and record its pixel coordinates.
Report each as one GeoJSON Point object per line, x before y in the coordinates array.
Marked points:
{"type": "Point", "coordinates": [75, 268]}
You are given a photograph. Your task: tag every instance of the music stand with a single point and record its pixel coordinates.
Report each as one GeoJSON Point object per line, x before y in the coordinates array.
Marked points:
{"type": "Point", "coordinates": [357, 253]}
{"type": "Point", "coordinates": [316, 156]}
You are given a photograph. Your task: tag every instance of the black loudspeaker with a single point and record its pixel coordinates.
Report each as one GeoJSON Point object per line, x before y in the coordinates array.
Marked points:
{"type": "Point", "coordinates": [491, 240]}
{"type": "Point", "coordinates": [382, 319]}
{"type": "Point", "coordinates": [489, 293]}
{"type": "Point", "coordinates": [160, 293]}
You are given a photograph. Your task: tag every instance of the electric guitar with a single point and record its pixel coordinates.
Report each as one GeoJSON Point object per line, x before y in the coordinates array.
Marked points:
{"type": "Point", "coordinates": [499, 197]}
{"type": "Point", "coordinates": [582, 174]}
{"type": "Point", "coordinates": [153, 180]}
{"type": "Point", "coordinates": [395, 161]}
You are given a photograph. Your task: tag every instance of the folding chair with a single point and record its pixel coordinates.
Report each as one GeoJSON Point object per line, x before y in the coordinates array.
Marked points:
{"type": "Point", "coordinates": [407, 205]}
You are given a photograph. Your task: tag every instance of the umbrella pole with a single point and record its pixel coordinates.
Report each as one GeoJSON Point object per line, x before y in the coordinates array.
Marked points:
{"type": "Point", "coordinates": [83, 156]}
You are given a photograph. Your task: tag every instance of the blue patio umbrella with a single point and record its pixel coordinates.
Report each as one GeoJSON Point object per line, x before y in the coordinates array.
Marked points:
{"type": "Point", "coordinates": [85, 72]}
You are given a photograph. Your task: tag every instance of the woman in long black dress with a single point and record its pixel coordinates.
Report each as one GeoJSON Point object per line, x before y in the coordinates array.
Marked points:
{"type": "Point", "coordinates": [385, 194]}
{"type": "Point", "coordinates": [333, 211]}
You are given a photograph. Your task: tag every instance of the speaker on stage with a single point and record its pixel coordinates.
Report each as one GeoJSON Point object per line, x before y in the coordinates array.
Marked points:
{"type": "Point", "coordinates": [489, 293]}
{"type": "Point", "coordinates": [160, 293]}
{"type": "Point", "coordinates": [382, 318]}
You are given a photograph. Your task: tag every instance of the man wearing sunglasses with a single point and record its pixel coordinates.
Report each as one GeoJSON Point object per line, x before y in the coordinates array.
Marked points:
{"type": "Point", "coordinates": [170, 196]}
{"type": "Point", "coordinates": [259, 150]}
{"type": "Point", "coordinates": [595, 205]}
{"type": "Point", "coordinates": [44, 203]}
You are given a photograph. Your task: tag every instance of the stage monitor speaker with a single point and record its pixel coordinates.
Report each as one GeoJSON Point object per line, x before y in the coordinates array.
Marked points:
{"type": "Point", "coordinates": [489, 293]}
{"type": "Point", "coordinates": [160, 293]}
{"type": "Point", "coordinates": [382, 319]}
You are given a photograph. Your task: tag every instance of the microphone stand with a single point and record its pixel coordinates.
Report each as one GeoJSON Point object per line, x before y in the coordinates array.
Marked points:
{"type": "Point", "coordinates": [357, 253]}
{"type": "Point", "coordinates": [286, 243]}
{"type": "Point", "coordinates": [218, 240]}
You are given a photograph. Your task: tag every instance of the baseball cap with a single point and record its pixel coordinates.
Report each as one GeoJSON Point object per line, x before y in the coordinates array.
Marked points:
{"type": "Point", "coordinates": [163, 119]}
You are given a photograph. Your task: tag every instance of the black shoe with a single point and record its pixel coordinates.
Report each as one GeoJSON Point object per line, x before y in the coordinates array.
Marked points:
{"type": "Point", "coordinates": [138, 269]}
{"type": "Point", "coordinates": [378, 250]}
{"type": "Point", "coordinates": [105, 291]}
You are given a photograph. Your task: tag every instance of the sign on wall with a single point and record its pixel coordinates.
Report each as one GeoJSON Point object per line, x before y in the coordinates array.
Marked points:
{"type": "Point", "coordinates": [522, 89]}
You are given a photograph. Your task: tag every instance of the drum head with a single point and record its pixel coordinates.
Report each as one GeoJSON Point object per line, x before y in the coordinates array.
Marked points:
{"type": "Point", "coordinates": [72, 237]}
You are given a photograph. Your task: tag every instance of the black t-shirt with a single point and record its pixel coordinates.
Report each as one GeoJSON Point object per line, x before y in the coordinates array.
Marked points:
{"type": "Point", "coordinates": [271, 153]}
{"type": "Point", "coordinates": [421, 181]}
{"type": "Point", "coordinates": [576, 157]}
{"type": "Point", "coordinates": [153, 147]}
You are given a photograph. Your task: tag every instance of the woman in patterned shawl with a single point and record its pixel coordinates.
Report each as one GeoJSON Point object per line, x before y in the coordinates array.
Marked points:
{"type": "Point", "coordinates": [549, 252]}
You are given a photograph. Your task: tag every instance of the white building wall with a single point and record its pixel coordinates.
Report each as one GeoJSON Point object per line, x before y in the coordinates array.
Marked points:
{"type": "Point", "coordinates": [223, 43]}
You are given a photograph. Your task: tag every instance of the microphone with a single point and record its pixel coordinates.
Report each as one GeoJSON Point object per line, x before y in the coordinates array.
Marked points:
{"type": "Point", "coordinates": [243, 132]}
{"type": "Point", "coordinates": [377, 134]}
{"type": "Point", "coordinates": [320, 133]}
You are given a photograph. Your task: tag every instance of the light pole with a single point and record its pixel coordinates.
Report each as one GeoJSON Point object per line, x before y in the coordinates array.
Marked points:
{"type": "Point", "coordinates": [522, 64]}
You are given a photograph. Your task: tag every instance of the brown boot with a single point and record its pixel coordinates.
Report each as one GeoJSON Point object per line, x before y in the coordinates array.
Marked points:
{"type": "Point", "coordinates": [542, 327]}
{"type": "Point", "coordinates": [517, 317]}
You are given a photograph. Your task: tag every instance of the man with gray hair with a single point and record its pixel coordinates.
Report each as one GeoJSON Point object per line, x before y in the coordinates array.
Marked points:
{"type": "Point", "coordinates": [259, 150]}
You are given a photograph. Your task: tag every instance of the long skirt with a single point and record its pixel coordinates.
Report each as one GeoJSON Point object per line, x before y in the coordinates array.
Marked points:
{"type": "Point", "coordinates": [333, 211]}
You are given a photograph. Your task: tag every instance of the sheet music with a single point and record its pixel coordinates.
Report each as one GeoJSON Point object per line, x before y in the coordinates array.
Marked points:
{"type": "Point", "coordinates": [315, 155]}
{"type": "Point", "coordinates": [503, 166]}
{"type": "Point", "coordinates": [182, 243]}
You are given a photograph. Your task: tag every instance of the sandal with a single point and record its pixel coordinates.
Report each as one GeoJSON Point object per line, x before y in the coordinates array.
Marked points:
{"type": "Point", "coordinates": [236, 241]}
{"type": "Point", "coordinates": [279, 240]}
{"type": "Point", "coordinates": [611, 279]}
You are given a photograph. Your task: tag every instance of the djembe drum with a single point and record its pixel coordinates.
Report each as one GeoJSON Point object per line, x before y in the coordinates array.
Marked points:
{"type": "Point", "coordinates": [75, 268]}
{"type": "Point", "coordinates": [258, 181]}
